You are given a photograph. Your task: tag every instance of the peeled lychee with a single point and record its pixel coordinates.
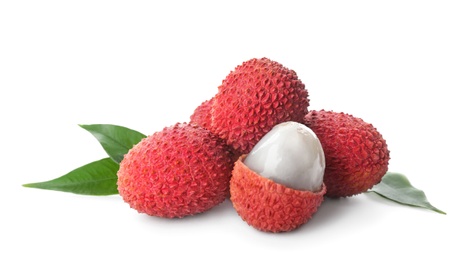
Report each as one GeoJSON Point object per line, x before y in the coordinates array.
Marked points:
{"type": "Point", "coordinates": [356, 154]}
{"type": "Point", "coordinates": [179, 171]}
{"type": "Point", "coordinates": [253, 98]}
{"type": "Point", "coordinates": [278, 186]}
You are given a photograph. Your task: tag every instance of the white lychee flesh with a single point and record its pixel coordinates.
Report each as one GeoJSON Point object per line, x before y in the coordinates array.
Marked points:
{"type": "Point", "coordinates": [291, 155]}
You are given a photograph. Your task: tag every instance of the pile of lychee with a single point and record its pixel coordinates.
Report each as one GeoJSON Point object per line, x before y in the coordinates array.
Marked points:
{"type": "Point", "coordinates": [256, 143]}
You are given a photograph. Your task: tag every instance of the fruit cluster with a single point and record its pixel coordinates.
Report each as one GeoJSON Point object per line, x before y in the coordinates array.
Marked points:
{"type": "Point", "coordinates": [189, 168]}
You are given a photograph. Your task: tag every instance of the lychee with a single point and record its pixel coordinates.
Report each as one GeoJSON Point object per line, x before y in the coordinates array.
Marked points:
{"type": "Point", "coordinates": [278, 186]}
{"type": "Point", "coordinates": [202, 114]}
{"type": "Point", "coordinates": [253, 98]}
{"type": "Point", "coordinates": [356, 154]}
{"type": "Point", "coordinates": [179, 171]}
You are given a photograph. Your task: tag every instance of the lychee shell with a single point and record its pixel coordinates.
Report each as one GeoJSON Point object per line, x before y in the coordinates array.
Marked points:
{"type": "Point", "coordinates": [269, 206]}
{"type": "Point", "coordinates": [179, 171]}
{"type": "Point", "coordinates": [254, 97]}
{"type": "Point", "coordinates": [356, 154]}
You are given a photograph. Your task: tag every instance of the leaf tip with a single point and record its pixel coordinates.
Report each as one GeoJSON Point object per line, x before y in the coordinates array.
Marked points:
{"type": "Point", "coordinates": [30, 185]}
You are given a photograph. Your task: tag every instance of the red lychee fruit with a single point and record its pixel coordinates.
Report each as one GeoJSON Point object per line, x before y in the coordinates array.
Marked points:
{"type": "Point", "coordinates": [202, 114]}
{"type": "Point", "coordinates": [254, 97]}
{"type": "Point", "coordinates": [356, 154]}
{"type": "Point", "coordinates": [278, 186]}
{"type": "Point", "coordinates": [179, 171]}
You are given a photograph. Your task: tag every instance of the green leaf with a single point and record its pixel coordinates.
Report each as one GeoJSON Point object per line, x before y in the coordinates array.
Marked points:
{"type": "Point", "coordinates": [396, 187]}
{"type": "Point", "coordinates": [96, 178]}
{"type": "Point", "coordinates": [116, 140]}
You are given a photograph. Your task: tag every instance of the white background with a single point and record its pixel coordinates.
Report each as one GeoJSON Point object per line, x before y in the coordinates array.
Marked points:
{"type": "Point", "coordinates": [404, 66]}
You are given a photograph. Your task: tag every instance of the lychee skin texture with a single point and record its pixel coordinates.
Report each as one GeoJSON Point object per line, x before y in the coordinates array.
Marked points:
{"type": "Point", "coordinates": [202, 114]}
{"type": "Point", "coordinates": [254, 97]}
{"type": "Point", "coordinates": [202, 117]}
{"type": "Point", "coordinates": [182, 170]}
{"type": "Point", "coordinates": [269, 206]}
{"type": "Point", "coordinates": [356, 154]}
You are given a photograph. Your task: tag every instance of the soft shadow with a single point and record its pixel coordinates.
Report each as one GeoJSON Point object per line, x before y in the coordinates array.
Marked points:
{"type": "Point", "coordinates": [330, 212]}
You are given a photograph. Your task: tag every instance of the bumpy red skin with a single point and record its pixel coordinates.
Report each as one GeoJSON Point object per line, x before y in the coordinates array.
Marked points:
{"type": "Point", "coordinates": [269, 206]}
{"type": "Point", "coordinates": [356, 154]}
{"type": "Point", "coordinates": [182, 170]}
{"type": "Point", "coordinates": [202, 114]}
{"type": "Point", "coordinates": [254, 97]}
{"type": "Point", "coordinates": [202, 117]}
